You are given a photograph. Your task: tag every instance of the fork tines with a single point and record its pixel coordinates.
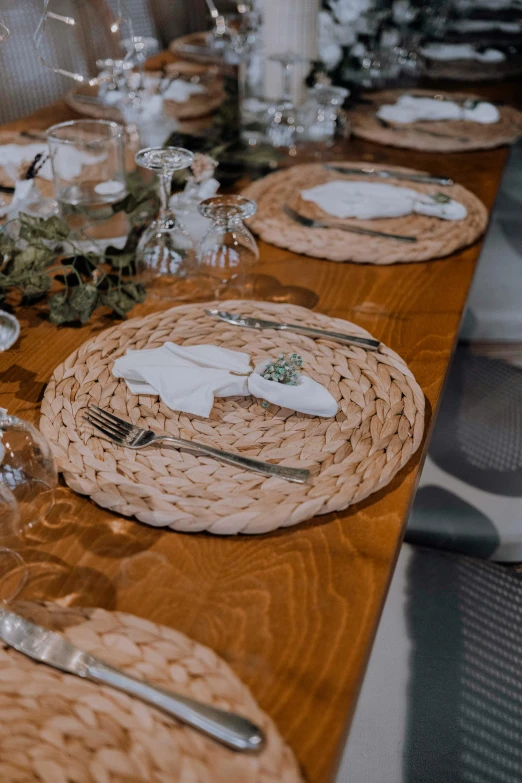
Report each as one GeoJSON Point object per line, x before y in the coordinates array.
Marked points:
{"type": "Point", "coordinates": [111, 426]}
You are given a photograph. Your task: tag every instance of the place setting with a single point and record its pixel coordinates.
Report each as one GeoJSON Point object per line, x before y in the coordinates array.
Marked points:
{"type": "Point", "coordinates": [435, 121]}
{"type": "Point", "coordinates": [147, 703]}
{"type": "Point", "coordinates": [185, 91]}
{"type": "Point", "coordinates": [470, 62]}
{"type": "Point", "coordinates": [375, 214]}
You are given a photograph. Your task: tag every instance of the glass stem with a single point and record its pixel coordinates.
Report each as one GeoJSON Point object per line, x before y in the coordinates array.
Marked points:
{"type": "Point", "coordinates": [164, 191]}
{"type": "Point", "coordinates": [287, 81]}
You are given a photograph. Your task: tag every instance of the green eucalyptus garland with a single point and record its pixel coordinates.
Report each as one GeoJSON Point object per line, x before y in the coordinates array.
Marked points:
{"type": "Point", "coordinates": [40, 255]}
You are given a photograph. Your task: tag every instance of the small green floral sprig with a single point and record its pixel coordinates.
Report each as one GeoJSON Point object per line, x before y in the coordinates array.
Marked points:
{"type": "Point", "coordinates": [286, 369]}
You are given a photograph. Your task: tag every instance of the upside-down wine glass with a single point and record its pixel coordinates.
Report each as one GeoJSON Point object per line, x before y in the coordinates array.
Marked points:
{"type": "Point", "coordinates": [165, 251]}
{"type": "Point", "coordinates": [228, 253]}
{"type": "Point", "coordinates": [13, 570]}
{"type": "Point", "coordinates": [281, 119]}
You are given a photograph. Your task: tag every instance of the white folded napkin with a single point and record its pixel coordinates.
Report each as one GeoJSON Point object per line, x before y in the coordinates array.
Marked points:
{"type": "Point", "coordinates": [368, 200]}
{"type": "Point", "coordinates": [181, 91]}
{"type": "Point", "coordinates": [463, 51]}
{"type": "Point", "coordinates": [25, 193]}
{"type": "Point", "coordinates": [178, 91]}
{"type": "Point", "coordinates": [410, 109]}
{"type": "Point", "coordinates": [188, 378]}
{"type": "Point", "coordinates": [481, 25]}
{"type": "Point", "coordinates": [68, 161]}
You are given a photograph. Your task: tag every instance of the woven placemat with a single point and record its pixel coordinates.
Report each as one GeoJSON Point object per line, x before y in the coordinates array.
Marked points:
{"type": "Point", "coordinates": [194, 47]}
{"type": "Point", "coordinates": [59, 728]}
{"type": "Point", "coordinates": [443, 136]}
{"type": "Point", "coordinates": [378, 427]}
{"type": "Point", "coordinates": [471, 70]}
{"type": "Point", "coordinates": [436, 238]}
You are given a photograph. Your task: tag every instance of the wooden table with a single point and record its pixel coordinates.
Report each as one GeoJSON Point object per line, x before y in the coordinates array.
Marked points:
{"type": "Point", "coordinates": [294, 612]}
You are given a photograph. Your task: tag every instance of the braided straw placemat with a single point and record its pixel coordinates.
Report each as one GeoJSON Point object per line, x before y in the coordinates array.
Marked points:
{"type": "Point", "coordinates": [436, 136]}
{"type": "Point", "coordinates": [59, 728]}
{"type": "Point", "coordinates": [195, 47]}
{"type": "Point", "coordinates": [436, 238]}
{"type": "Point", "coordinates": [378, 427]}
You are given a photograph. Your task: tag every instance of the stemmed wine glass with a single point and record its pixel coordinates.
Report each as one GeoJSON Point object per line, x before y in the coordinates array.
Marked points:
{"type": "Point", "coordinates": [13, 570]}
{"type": "Point", "coordinates": [281, 119]}
{"type": "Point", "coordinates": [165, 252]}
{"type": "Point", "coordinates": [228, 252]}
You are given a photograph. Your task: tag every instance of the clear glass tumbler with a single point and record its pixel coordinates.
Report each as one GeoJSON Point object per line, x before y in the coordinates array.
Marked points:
{"type": "Point", "coordinates": [88, 162]}
{"type": "Point", "coordinates": [228, 253]}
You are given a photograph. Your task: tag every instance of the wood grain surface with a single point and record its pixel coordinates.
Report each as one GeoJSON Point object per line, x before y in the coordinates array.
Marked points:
{"type": "Point", "coordinates": [294, 612]}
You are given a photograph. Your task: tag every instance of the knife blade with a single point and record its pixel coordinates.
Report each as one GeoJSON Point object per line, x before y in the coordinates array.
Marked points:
{"type": "Point", "coordinates": [428, 179]}
{"type": "Point", "coordinates": [259, 323]}
{"type": "Point", "coordinates": [53, 649]}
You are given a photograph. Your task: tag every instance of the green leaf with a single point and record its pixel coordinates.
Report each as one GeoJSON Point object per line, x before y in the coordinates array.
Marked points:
{"type": "Point", "coordinates": [119, 301]}
{"type": "Point", "coordinates": [84, 300]}
{"type": "Point", "coordinates": [53, 228]}
{"type": "Point", "coordinates": [60, 310]}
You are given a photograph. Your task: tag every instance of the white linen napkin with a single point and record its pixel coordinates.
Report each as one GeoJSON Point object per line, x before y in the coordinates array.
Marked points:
{"type": "Point", "coordinates": [188, 378]}
{"type": "Point", "coordinates": [463, 51]}
{"type": "Point", "coordinates": [25, 193]}
{"type": "Point", "coordinates": [178, 91]}
{"type": "Point", "coordinates": [368, 200]}
{"type": "Point", "coordinates": [68, 161]}
{"type": "Point", "coordinates": [410, 109]}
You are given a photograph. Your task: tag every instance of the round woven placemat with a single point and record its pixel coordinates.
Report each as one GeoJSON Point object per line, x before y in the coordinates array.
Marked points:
{"type": "Point", "coordinates": [455, 135]}
{"type": "Point", "coordinates": [436, 238]}
{"type": "Point", "coordinates": [471, 70]}
{"type": "Point", "coordinates": [194, 47]}
{"type": "Point", "coordinates": [60, 728]}
{"type": "Point", "coordinates": [376, 430]}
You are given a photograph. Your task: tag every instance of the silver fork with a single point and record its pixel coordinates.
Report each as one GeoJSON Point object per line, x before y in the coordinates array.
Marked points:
{"type": "Point", "coordinates": [312, 223]}
{"type": "Point", "coordinates": [131, 437]}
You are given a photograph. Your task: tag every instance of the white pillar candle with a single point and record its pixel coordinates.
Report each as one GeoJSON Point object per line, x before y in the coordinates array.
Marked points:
{"type": "Point", "coordinates": [289, 26]}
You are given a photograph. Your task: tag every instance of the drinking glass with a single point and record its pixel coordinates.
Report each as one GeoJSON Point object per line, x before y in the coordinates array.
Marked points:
{"type": "Point", "coordinates": [165, 251]}
{"type": "Point", "coordinates": [27, 470]}
{"type": "Point", "coordinates": [281, 119]}
{"type": "Point", "coordinates": [322, 118]}
{"type": "Point", "coordinates": [9, 330]}
{"type": "Point", "coordinates": [88, 163]}
{"type": "Point", "coordinates": [13, 571]}
{"type": "Point", "coordinates": [227, 254]}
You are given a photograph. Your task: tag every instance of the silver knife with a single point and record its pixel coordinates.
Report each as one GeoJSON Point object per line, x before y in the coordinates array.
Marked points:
{"type": "Point", "coordinates": [428, 179]}
{"type": "Point", "coordinates": [53, 649]}
{"type": "Point", "coordinates": [259, 323]}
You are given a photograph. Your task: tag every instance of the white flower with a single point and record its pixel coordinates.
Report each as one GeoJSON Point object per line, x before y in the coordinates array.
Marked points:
{"type": "Point", "coordinates": [330, 54]}
{"type": "Point", "coordinates": [348, 11]}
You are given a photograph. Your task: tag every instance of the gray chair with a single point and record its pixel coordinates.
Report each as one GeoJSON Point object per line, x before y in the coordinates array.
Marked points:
{"type": "Point", "coordinates": [441, 701]}
{"type": "Point", "coordinates": [470, 492]}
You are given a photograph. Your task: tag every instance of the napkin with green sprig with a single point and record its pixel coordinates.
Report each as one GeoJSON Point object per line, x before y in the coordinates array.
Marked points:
{"type": "Point", "coordinates": [187, 378]}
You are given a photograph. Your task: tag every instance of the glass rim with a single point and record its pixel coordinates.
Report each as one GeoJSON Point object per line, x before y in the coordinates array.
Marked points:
{"type": "Point", "coordinates": [117, 129]}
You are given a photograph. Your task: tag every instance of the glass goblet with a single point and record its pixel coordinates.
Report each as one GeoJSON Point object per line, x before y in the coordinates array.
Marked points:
{"type": "Point", "coordinates": [27, 470]}
{"type": "Point", "coordinates": [165, 251]}
{"type": "Point", "coordinates": [228, 253]}
{"type": "Point", "coordinates": [13, 571]}
{"type": "Point", "coordinates": [281, 119]}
